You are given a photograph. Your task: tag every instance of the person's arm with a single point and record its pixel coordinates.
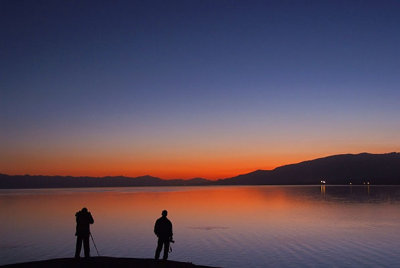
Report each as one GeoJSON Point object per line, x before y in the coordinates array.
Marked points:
{"type": "Point", "coordinates": [170, 230]}
{"type": "Point", "coordinates": [91, 221]}
{"type": "Point", "coordinates": [78, 217]}
{"type": "Point", "coordinates": [156, 228]}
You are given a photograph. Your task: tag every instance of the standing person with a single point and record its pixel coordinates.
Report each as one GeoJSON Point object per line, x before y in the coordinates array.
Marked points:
{"type": "Point", "coordinates": [163, 230]}
{"type": "Point", "coordinates": [83, 220]}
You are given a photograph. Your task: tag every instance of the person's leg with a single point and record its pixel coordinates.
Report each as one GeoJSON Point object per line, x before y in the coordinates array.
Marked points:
{"type": "Point", "coordinates": [159, 247]}
{"type": "Point", "coordinates": [166, 249]}
{"type": "Point", "coordinates": [78, 246]}
{"type": "Point", "coordinates": [86, 246]}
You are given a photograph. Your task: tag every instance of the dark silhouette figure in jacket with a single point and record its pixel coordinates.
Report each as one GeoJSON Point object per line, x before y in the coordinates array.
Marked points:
{"type": "Point", "coordinates": [163, 230]}
{"type": "Point", "coordinates": [83, 220]}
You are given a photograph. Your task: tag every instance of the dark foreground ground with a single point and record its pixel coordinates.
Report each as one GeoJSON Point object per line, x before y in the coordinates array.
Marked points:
{"type": "Point", "coordinates": [107, 262]}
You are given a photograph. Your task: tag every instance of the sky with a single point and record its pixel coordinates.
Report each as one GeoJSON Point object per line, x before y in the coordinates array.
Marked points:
{"type": "Point", "coordinates": [183, 89]}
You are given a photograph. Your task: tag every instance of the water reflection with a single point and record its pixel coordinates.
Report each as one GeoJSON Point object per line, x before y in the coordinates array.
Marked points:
{"type": "Point", "coordinates": [323, 191]}
{"type": "Point", "coordinates": [340, 194]}
{"type": "Point", "coordinates": [227, 226]}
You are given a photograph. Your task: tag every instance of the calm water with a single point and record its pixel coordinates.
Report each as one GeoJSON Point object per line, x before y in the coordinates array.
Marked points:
{"type": "Point", "coordinates": [227, 226]}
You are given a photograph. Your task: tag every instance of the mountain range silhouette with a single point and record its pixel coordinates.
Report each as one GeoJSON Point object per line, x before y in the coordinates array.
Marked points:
{"type": "Point", "coordinates": [379, 169]}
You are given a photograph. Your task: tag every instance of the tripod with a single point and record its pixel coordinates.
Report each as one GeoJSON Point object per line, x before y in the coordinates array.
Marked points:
{"type": "Point", "coordinates": [94, 245]}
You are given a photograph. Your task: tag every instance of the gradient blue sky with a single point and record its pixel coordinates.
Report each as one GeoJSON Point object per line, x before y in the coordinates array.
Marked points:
{"type": "Point", "coordinates": [194, 88]}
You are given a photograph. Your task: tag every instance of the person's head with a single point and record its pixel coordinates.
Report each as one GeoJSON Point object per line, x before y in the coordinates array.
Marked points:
{"type": "Point", "coordinates": [164, 213]}
{"type": "Point", "coordinates": [84, 210]}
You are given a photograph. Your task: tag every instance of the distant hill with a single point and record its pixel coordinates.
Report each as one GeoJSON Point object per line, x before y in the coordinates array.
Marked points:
{"type": "Point", "coordinates": [337, 169]}
{"type": "Point", "coordinates": [39, 181]}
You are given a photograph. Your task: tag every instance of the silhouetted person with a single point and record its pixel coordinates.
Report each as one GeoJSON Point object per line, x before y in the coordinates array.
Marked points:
{"type": "Point", "coordinates": [83, 220]}
{"type": "Point", "coordinates": [163, 230]}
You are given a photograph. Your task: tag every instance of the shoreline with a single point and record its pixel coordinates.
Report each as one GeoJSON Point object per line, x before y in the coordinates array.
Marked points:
{"type": "Point", "coordinates": [107, 262]}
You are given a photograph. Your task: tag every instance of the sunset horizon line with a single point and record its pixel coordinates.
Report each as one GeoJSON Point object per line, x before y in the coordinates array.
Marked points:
{"type": "Point", "coordinates": [188, 177]}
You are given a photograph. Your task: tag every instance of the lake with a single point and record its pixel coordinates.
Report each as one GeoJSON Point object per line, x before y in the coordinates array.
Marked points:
{"type": "Point", "coordinates": [225, 226]}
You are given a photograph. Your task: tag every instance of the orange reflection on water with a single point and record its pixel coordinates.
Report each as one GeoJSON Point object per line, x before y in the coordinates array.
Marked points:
{"type": "Point", "coordinates": [144, 205]}
{"type": "Point", "coordinates": [188, 206]}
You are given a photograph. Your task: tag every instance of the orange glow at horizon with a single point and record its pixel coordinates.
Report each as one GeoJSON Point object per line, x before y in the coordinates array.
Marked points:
{"type": "Point", "coordinates": [214, 167]}
{"type": "Point", "coordinates": [209, 150]}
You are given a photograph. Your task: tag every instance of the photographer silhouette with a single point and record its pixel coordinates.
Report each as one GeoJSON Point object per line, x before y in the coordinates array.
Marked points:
{"type": "Point", "coordinates": [83, 220]}
{"type": "Point", "coordinates": [163, 230]}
